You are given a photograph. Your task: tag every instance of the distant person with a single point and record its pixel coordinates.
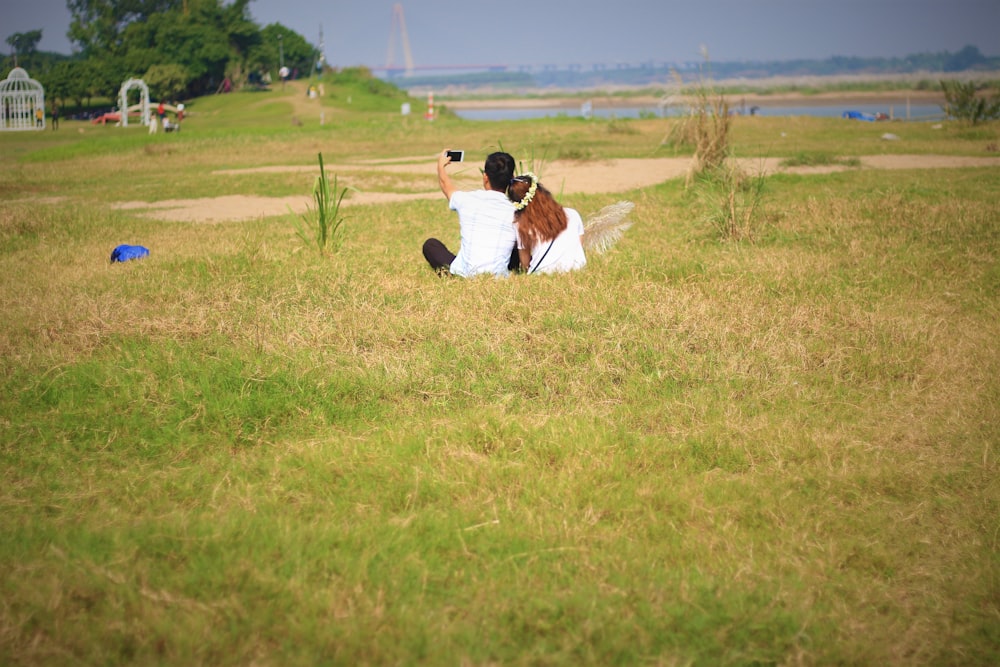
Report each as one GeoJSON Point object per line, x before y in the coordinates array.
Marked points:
{"type": "Point", "coordinates": [549, 236]}
{"type": "Point", "coordinates": [39, 117]}
{"type": "Point", "coordinates": [55, 116]}
{"type": "Point", "coordinates": [180, 114]}
{"type": "Point", "coordinates": [488, 241]}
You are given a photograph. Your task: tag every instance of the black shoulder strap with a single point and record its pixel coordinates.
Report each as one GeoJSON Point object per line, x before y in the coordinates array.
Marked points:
{"type": "Point", "coordinates": [543, 256]}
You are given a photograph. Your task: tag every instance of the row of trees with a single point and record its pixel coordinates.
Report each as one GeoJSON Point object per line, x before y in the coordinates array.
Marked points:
{"type": "Point", "coordinates": [181, 48]}
{"type": "Point", "coordinates": [968, 59]}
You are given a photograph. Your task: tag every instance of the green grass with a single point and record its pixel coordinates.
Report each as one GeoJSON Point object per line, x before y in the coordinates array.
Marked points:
{"type": "Point", "coordinates": [691, 452]}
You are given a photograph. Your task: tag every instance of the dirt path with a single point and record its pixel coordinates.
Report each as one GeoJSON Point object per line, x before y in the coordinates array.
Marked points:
{"type": "Point", "coordinates": [563, 177]}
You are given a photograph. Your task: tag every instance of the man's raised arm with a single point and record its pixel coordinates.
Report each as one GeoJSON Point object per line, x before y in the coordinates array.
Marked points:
{"type": "Point", "coordinates": [444, 179]}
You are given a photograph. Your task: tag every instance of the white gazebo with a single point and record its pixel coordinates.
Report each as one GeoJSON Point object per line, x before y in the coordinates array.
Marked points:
{"type": "Point", "coordinates": [22, 102]}
{"type": "Point", "coordinates": [143, 100]}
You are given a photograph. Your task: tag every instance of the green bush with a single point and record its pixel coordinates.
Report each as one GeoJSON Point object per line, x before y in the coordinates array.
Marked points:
{"type": "Point", "coordinates": [963, 102]}
{"type": "Point", "coordinates": [167, 82]}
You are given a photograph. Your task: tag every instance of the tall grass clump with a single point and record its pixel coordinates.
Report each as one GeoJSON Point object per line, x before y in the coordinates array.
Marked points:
{"type": "Point", "coordinates": [963, 102]}
{"type": "Point", "coordinates": [322, 224]}
{"type": "Point", "coordinates": [705, 127]}
{"type": "Point", "coordinates": [731, 199]}
{"type": "Point", "coordinates": [535, 163]}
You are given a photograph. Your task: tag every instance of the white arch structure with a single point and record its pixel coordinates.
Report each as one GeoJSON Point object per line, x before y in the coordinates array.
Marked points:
{"type": "Point", "coordinates": [21, 98]}
{"type": "Point", "coordinates": [123, 100]}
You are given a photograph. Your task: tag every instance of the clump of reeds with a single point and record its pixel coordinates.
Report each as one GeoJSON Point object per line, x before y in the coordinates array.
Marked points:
{"type": "Point", "coordinates": [535, 163]}
{"type": "Point", "coordinates": [732, 200]}
{"type": "Point", "coordinates": [704, 126]}
{"type": "Point", "coordinates": [709, 128]}
{"type": "Point", "coordinates": [964, 102]}
{"type": "Point", "coordinates": [322, 225]}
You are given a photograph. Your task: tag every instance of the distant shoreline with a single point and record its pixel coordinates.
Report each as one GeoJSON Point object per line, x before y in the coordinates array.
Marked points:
{"type": "Point", "coordinates": [762, 100]}
{"type": "Point", "coordinates": [921, 88]}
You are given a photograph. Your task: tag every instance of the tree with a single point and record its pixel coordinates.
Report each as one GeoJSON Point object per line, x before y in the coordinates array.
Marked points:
{"type": "Point", "coordinates": [79, 80]}
{"type": "Point", "coordinates": [296, 51]}
{"type": "Point", "coordinates": [25, 43]}
{"type": "Point", "coordinates": [59, 82]}
{"type": "Point", "coordinates": [966, 59]}
{"type": "Point", "coordinates": [205, 38]}
{"type": "Point", "coordinates": [199, 41]}
{"type": "Point", "coordinates": [166, 82]}
{"type": "Point", "coordinates": [97, 25]}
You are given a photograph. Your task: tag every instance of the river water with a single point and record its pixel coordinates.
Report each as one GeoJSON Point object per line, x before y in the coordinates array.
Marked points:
{"type": "Point", "coordinates": [915, 112]}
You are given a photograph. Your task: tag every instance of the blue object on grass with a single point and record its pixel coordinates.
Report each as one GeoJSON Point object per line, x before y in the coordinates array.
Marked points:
{"type": "Point", "coordinates": [124, 253]}
{"type": "Point", "coordinates": [859, 115]}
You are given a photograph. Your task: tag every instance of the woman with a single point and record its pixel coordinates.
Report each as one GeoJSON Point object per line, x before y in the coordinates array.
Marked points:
{"type": "Point", "coordinates": [548, 235]}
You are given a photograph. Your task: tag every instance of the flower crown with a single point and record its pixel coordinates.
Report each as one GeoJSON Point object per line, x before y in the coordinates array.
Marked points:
{"type": "Point", "coordinates": [530, 194]}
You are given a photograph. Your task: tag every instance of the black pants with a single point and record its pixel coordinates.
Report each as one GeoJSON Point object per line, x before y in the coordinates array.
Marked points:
{"type": "Point", "coordinates": [439, 257]}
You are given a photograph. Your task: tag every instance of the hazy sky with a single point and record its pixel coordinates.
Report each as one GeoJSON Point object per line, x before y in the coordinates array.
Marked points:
{"type": "Point", "coordinates": [563, 32]}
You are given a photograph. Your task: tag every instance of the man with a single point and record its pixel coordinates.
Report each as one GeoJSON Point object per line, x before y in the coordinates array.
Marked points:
{"type": "Point", "coordinates": [485, 220]}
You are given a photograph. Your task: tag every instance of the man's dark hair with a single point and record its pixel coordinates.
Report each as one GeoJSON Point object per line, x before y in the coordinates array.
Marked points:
{"type": "Point", "coordinates": [499, 169]}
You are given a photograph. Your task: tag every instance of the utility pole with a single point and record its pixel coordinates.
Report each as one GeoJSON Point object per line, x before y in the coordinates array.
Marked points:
{"type": "Point", "coordinates": [282, 70]}
{"type": "Point", "coordinates": [321, 60]}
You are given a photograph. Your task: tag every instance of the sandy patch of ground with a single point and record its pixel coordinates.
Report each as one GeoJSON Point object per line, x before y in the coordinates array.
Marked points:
{"type": "Point", "coordinates": [563, 177]}
{"type": "Point", "coordinates": [229, 208]}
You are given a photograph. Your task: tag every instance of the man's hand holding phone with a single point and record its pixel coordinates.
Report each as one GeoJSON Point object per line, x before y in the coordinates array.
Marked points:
{"type": "Point", "coordinates": [444, 179]}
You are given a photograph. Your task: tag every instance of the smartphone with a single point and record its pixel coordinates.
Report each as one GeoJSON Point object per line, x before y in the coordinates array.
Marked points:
{"type": "Point", "coordinates": [456, 156]}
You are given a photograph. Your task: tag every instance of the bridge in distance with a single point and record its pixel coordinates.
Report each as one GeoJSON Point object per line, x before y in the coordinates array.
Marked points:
{"type": "Point", "coordinates": [399, 38]}
{"type": "Point", "coordinates": [395, 71]}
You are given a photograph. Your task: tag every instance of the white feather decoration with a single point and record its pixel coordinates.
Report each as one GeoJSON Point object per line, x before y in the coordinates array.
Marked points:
{"type": "Point", "coordinates": [602, 230]}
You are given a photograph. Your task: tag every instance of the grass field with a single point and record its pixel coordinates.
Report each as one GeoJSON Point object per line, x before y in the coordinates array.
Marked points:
{"type": "Point", "coordinates": [693, 452]}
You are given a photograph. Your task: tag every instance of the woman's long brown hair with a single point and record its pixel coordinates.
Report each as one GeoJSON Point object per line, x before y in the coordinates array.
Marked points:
{"type": "Point", "coordinates": [542, 219]}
